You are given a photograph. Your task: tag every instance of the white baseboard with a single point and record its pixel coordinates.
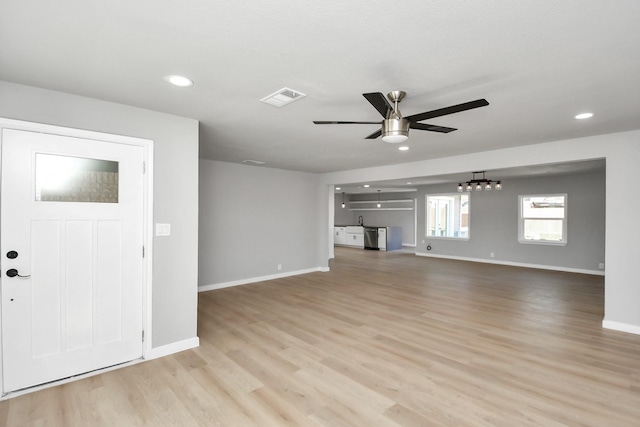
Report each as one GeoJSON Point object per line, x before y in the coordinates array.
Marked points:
{"type": "Point", "coordinates": [172, 348]}
{"type": "Point", "coordinates": [515, 264]}
{"type": "Point", "coordinates": [259, 279]}
{"type": "Point", "coordinates": [622, 327]}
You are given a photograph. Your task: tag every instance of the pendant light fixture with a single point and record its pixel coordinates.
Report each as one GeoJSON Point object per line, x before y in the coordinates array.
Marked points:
{"type": "Point", "coordinates": [479, 183]}
{"type": "Point", "coordinates": [343, 205]}
{"type": "Point", "coordinates": [379, 198]}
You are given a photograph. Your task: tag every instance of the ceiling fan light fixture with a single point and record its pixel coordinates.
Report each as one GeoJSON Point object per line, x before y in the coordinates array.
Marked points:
{"type": "Point", "coordinates": [395, 139]}
{"type": "Point", "coordinates": [395, 131]}
{"type": "Point", "coordinates": [180, 81]}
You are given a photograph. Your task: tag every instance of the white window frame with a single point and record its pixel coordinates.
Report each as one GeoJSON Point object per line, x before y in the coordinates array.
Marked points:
{"type": "Point", "coordinates": [521, 220]}
{"type": "Point", "coordinates": [426, 216]}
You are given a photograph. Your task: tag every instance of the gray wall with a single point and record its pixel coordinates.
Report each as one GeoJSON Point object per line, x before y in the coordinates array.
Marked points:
{"type": "Point", "coordinates": [174, 287]}
{"type": "Point", "coordinates": [494, 223]}
{"type": "Point", "coordinates": [254, 218]}
{"type": "Point", "coordinates": [343, 216]}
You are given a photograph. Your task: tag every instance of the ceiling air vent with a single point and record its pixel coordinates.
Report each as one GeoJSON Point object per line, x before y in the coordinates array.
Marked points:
{"type": "Point", "coordinates": [283, 97]}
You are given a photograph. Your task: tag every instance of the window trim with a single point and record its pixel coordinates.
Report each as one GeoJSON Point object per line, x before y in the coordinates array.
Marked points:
{"type": "Point", "coordinates": [426, 217]}
{"type": "Point", "coordinates": [565, 221]}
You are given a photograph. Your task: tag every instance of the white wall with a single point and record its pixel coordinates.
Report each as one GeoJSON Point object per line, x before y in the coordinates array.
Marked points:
{"type": "Point", "coordinates": [621, 151]}
{"type": "Point", "coordinates": [174, 287]}
{"type": "Point", "coordinates": [254, 218]}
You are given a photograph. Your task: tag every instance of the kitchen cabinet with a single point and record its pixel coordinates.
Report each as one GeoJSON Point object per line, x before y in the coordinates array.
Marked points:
{"type": "Point", "coordinates": [355, 236]}
{"type": "Point", "coordinates": [340, 235]}
{"type": "Point", "coordinates": [382, 239]}
{"type": "Point", "coordinates": [356, 240]}
{"type": "Point", "coordinates": [389, 238]}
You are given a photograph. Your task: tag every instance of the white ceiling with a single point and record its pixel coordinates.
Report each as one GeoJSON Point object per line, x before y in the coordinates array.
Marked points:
{"type": "Point", "coordinates": [537, 63]}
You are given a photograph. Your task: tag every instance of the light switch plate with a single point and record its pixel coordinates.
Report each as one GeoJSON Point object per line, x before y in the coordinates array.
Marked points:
{"type": "Point", "coordinates": [163, 230]}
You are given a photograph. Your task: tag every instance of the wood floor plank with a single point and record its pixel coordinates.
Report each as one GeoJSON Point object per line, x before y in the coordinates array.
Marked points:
{"type": "Point", "coordinates": [383, 339]}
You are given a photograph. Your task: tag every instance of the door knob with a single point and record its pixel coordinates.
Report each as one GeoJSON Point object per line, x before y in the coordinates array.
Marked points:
{"type": "Point", "coordinates": [13, 273]}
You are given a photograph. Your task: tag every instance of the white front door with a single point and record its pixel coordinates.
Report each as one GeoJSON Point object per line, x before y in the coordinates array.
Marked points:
{"type": "Point", "coordinates": [72, 261]}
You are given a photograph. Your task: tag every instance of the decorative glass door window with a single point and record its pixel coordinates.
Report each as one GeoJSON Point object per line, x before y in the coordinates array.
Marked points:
{"type": "Point", "coordinates": [75, 179]}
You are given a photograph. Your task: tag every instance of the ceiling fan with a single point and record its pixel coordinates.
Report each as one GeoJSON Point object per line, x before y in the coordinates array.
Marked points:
{"type": "Point", "coordinates": [395, 128]}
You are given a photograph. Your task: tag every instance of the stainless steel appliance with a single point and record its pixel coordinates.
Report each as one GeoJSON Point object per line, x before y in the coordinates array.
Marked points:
{"type": "Point", "coordinates": [371, 238]}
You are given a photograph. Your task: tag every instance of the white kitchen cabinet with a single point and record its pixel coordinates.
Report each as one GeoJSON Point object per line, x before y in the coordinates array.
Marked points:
{"type": "Point", "coordinates": [355, 236]}
{"type": "Point", "coordinates": [354, 239]}
{"type": "Point", "coordinates": [382, 239]}
{"type": "Point", "coordinates": [340, 235]}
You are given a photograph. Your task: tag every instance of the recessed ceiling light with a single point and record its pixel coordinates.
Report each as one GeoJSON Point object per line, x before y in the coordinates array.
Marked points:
{"type": "Point", "coordinates": [179, 80]}
{"type": "Point", "coordinates": [408, 182]}
{"type": "Point", "coordinates": [338, 188]}
{"type": "Point", "coordinates": [366, 186]}
{"type": "Point", "coordinates": [583, 116]}
{"type": "Point", "coordinates": [403, 148]}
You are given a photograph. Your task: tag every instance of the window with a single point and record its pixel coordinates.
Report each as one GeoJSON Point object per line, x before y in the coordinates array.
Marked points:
{"type": "Point", "coordinates": [543, 219]}
{"type": "Point", "coordinates": [75, 179]}
{"type": "Point", "coordinates": [447, 216]}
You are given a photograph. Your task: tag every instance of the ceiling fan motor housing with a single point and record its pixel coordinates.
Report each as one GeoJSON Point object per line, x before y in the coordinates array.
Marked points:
{"type": "Point", "coordinates": [395, 131]}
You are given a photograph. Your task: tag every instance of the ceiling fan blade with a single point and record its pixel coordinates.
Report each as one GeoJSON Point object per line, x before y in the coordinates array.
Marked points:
{"type": "Point", "coordinates": [432, 128]}
{"type": "Point", "coordinates": [447, 110]}
{"type": "Point", "coordinates": [333, 122]}
{"type": "Point", "coordinates": [374, 135]}
{"type": "Point", "coordinates": [379, 102]}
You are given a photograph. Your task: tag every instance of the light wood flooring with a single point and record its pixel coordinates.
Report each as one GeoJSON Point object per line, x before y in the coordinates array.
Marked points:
{"type": "Point", "coordinates": [383, 339]}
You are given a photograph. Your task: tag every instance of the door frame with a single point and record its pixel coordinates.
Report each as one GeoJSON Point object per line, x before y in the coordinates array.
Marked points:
{"type": "Point", "coordinates": [147, 270]}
